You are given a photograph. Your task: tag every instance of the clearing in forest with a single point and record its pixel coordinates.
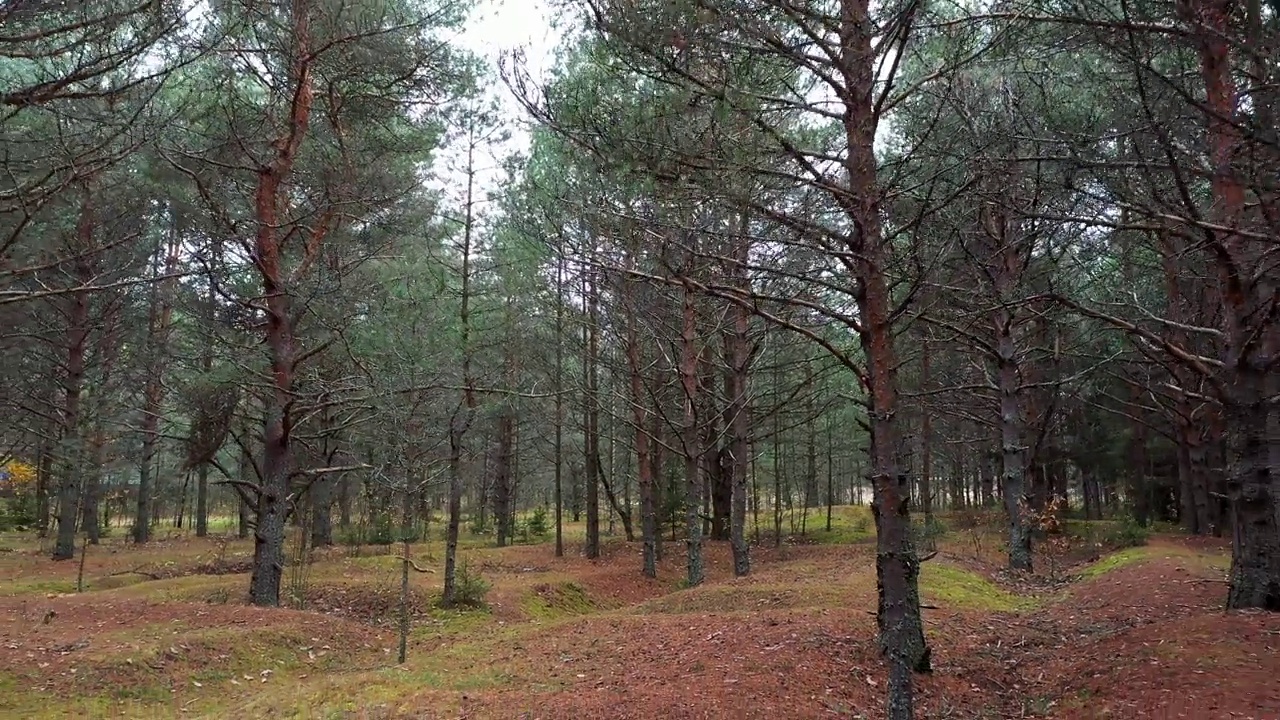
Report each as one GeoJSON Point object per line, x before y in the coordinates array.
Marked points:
{"type": "Point", "coordinates": [163, 632]}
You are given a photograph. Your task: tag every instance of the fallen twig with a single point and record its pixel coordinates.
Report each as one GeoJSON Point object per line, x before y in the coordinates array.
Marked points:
{"type": "Point", "coordinates": [414, 565]}
{"type": "Point", "coordinates": [136, 571]}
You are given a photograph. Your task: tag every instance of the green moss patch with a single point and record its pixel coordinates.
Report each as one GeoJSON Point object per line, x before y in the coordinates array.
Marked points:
{"type": "Point", "coordinates": [950, 585]}
{"type": "Point", "coordinates": [550, 601]}
{"type": "Point", "coordinates": [1115, 561]}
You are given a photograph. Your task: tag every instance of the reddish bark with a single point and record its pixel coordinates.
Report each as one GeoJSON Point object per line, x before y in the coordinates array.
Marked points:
{"type": "Point", "coordinates": [273, 499]}
{"type": "Point", "coordinates": [1248, 293]}
{"type": "Point", "coordinates": [897, 566]}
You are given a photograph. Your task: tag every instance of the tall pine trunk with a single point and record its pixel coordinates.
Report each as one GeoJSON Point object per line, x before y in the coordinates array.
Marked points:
{"type": "Point", "coordinates": [157, 344]}
{"type": "Point", "coordinates": [1247, 290]}
{"type": "Point", "coordinates": [897, 566]}
{"type": "Point", "coordinates": [591, 417]}
{"type": "Point", "coordinates": [690, 440]}
{"type": "Point", "coordinates": [644, 466]}
{"type": "Point", "coordinates": [72, 446]}
{"type": "Point", "coordinates": [737, 407]}
{"type": "Point", "coordinates": [273, 502]}
{"type": "Point", "coordinates": [559, 410]}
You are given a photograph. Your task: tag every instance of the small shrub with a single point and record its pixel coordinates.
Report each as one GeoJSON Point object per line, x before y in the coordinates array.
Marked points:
{"type": "Point", "coordinates": [479, 525]}
{"type": "Point", "coordinates": [538, 525]}
{"type": "Point", "coordinates": [469, 588]}
{"type": "Point", "coordinates": [382, 533]}
{"type": "Point", "coordinates": [1129, 533]}
{"type": "Point", "coordinates": [351, 538]}
{"type": "Point", "coordinates": [18, 513]}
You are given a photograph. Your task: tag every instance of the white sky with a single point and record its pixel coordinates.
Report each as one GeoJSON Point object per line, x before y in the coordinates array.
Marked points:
{"type": "Point", "coordinates": [495, 28]}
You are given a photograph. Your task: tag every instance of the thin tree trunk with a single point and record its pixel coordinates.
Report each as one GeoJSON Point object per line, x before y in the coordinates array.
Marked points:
{"type": "Point", "coordinates": [738, 408]}
{"type": "Point", "coordinates": [690, 440]}
{"type": "Point", "coordinates": [831, 496]}
{"type": "Point", "coordinates": [591, 420]}
{"type": "Point", "coordinates": [559, 419]}
{"type": "Point", "coordinates": [109, 352]}
{"type": "Point", "coordinates": [1012, 444]}
{"type": "Point", "coordinates": [644, 465]}
{"type": "Point", "coordinates": [44, 476]}
{"type": "Point", "coordinates": [449, 596]}
{"type": "Point", "coordinates": [157, 344]}
{"type": "Point", "coordinates": [73, 453]}
{"type": "Point", "coordinates": [246, 511]}
{"type": "Point", "coordinates": [659, 457]}
{"type": "Point", "coordinates": [502, 480]}
{"type": "Point", "coordinates": [464, 414]}
{"type": "Point", "coordinates": [926, 433]}
{"type": "Point", "coordinates": [90, 517]}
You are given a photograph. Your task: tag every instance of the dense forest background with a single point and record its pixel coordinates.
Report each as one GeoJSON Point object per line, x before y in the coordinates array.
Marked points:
{"type": "Point", "coordinates": [761, 257]}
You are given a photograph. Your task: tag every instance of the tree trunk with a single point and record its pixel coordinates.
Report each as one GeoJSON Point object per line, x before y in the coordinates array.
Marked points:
{"type": "Point", "coordinates": [157, 343]}
{"type": "Point", "coordinates": [344, 501]}
{"type": "Point", "coordinates": [502, 479]}
{"type": "Point", "coordinates": [831, 445]}
{"type": "Point", "coordinates": [449, 596]}
{"type": "Point", "coordinates": [202, 500]}
{"type": "Point", "coordinates": [274, 501]}
{"type": "Point", "coordinates": [897, 567]}
{"type": "Point", "coordinates": [73, 455]}
{"type": "Point", "coordinates": [1247, 292]}
{"type": "Point", "coordinates": [644, 465]}
{"type": "Point", "coordinates": [656, 469]}
{"type": "Point", "coordinates": [988, 479]}
{"type": "Point", "coordinates": [108, 352]}
{"type": "Point", "coordinates": [1012, 446]}
{"type": "Point", "coordinates": [1253, 486]}
{"type": "Point", "coordinates": [321, 492]}
{"type": "Point", "coordinates": [690, 440]}
{"type": "Point", "coordinates": [44, 476]}
{"type": "Point", "coordinates": [559, 419]}
{"type": "Point", "coordinates": [273, 490]}
{"type": "Point", "coordinates": [591, 421]}
{"type": "Point", "coordinates": [926, 434]}
{"type": "Point", "coordinates": [89, 516]}
{"type": "Point", "coordinates": [464, 414]}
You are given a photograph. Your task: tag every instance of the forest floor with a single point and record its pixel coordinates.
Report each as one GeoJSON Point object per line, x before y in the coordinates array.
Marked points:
{"type": "Point", "coordinates": [163, 632]}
